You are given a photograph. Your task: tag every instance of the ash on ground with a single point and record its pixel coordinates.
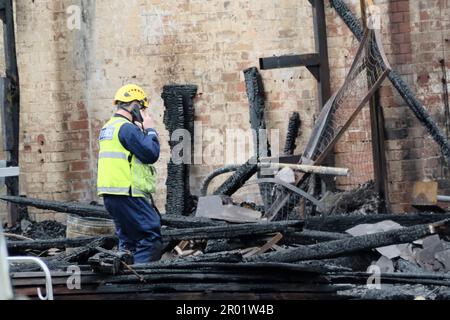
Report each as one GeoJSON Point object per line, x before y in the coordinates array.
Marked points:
{"type": "Point", "coordinates": [44, 230]}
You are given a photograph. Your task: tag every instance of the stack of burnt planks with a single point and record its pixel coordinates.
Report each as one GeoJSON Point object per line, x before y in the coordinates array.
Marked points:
{"type": "Point", "coordinates": [313, 258]}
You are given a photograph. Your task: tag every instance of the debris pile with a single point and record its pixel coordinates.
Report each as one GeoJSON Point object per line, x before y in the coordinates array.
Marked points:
{"type": "Point", "coordinates": [430, 254]}
{"type": "Point", "coordinates": [363, 200]}
{"type": "Point", "coordinates": [326, 257]}
{"type": "Point", "coordinates": [44, 230]}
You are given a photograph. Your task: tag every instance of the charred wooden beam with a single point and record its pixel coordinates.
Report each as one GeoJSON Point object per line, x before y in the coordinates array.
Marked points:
{"type": "Point", "coordinates": [218, 257]}
{"type": "Point", "coordinates": [78, 255]}
{"type": "Point", "coordinates": [220, 245]}
{"type": "Point", "coordinates": [393, 278]}
{"type": "Point", "coordinates": [313, 236]}
{"type": "Point", "coordinates": [216, 232]}
{"type": "Point", "coordinates": [131, 290]}
{"type": "Point", "coordinates": [338, 223]}
{"type": "Point", "coordinates": [83, 210]}
{"type": "Point", "coordinates": [338, 248]}
{"type": "Point", "coordinates": [230, 231]}
{"type": "Point", "coordinates": [341, 223]}
{"type": "Point", "coordinates": [256, 98]}
{"type": "Point", "coordinates": [182, 222]}
{"type": "Point", "coordinates": [41, 245]}
{"type": "Point", "coordinates": [81, 253]}
{"type": "Point", "coordinates": [86, 210]}
{"type": "Point", "coordinates": [179, 115]}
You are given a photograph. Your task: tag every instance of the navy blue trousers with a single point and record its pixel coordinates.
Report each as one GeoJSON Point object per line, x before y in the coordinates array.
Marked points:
{"type": "Point", "coordinates": [138, 226]}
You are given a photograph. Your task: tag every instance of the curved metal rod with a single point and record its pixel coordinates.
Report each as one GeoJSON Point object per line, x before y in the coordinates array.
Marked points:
{"type": "Point", "coordinates": [205, 183]}
{"type": "Point", "coordinates": [48, 277]}
{"type": "Point", "coordinates": [290, 187]}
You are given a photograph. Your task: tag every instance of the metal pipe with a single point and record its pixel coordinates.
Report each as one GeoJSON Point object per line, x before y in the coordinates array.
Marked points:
{"type": "Point", "coordinates": [443, 198]}
{"type": "Point", "coordinates": [9, 172]}
{"type": "Point", "coordinates": [205, 183]}
{"type": "Point", "coordinates": [48, 277]}
{"type": "Point", "coordinates": [308, 168]}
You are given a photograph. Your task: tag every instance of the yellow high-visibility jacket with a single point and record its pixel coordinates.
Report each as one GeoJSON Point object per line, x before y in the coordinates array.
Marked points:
{"type": "Point", "coordinates": [119, 171]}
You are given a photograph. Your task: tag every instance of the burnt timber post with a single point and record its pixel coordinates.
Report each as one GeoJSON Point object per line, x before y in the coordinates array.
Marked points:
{"type": "Point", "coordinates": [10, 104]}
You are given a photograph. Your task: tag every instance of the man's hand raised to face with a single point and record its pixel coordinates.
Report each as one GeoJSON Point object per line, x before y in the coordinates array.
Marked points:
{"type": "Point", "coordinates": [148, 120]}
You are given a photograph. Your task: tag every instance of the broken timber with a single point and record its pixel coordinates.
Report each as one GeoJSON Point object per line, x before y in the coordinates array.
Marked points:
{"type": "Point", "coordinates": [86, 210]}
{"type": "Point", "coordinates": [338, 223]}
{"type": "Point", "coordinates": [341, 223]}
{"type": "Point", "coordinates": [338, 248]}
{"type": "Point", "coordinates": [215, 232]}
{"type": "Point", "coordinates": [292, 134]}
{"type": "Point", "coordinates": [313, 236]}
{"type": "Point", "coordinates": [16, 246]}
{"type": "Point", "coordinates": [230, 231]}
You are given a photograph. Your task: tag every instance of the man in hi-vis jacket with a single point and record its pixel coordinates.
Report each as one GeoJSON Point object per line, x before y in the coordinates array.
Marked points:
{"type": "Point", "coordinates": [129, 146]}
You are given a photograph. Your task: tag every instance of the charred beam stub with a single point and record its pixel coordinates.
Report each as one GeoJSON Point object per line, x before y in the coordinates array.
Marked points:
{"type": "Point", "coordinates": [179, 121]}
{"type": "Point", "coordinates": [292, 134]}
{"type": "Point", "coordinates": [80, 209]}
{"type": "Point", "coordinates": [64, 243]}
{"type": "Point", "coordinates": [256, 99]}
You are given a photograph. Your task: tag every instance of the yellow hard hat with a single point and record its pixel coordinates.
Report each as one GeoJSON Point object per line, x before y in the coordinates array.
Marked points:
{"type": "Point", "coordinates": [129, 93]}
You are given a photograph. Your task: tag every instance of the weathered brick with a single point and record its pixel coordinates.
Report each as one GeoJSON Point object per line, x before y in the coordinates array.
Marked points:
{"type": "Point", "coordinates": [67, 94]}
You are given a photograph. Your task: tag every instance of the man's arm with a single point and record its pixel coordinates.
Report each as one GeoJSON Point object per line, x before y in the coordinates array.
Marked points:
{"type": "Point", "coordinates": [145, 145]}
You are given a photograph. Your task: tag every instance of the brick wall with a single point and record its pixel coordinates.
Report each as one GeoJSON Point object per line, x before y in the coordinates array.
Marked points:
{"type": "Point", "coordinates": [69, 77]}
{"type": "Point", "coordinates": [420, 33]}
{"type": "Point", "coordinates": [415, 37]}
